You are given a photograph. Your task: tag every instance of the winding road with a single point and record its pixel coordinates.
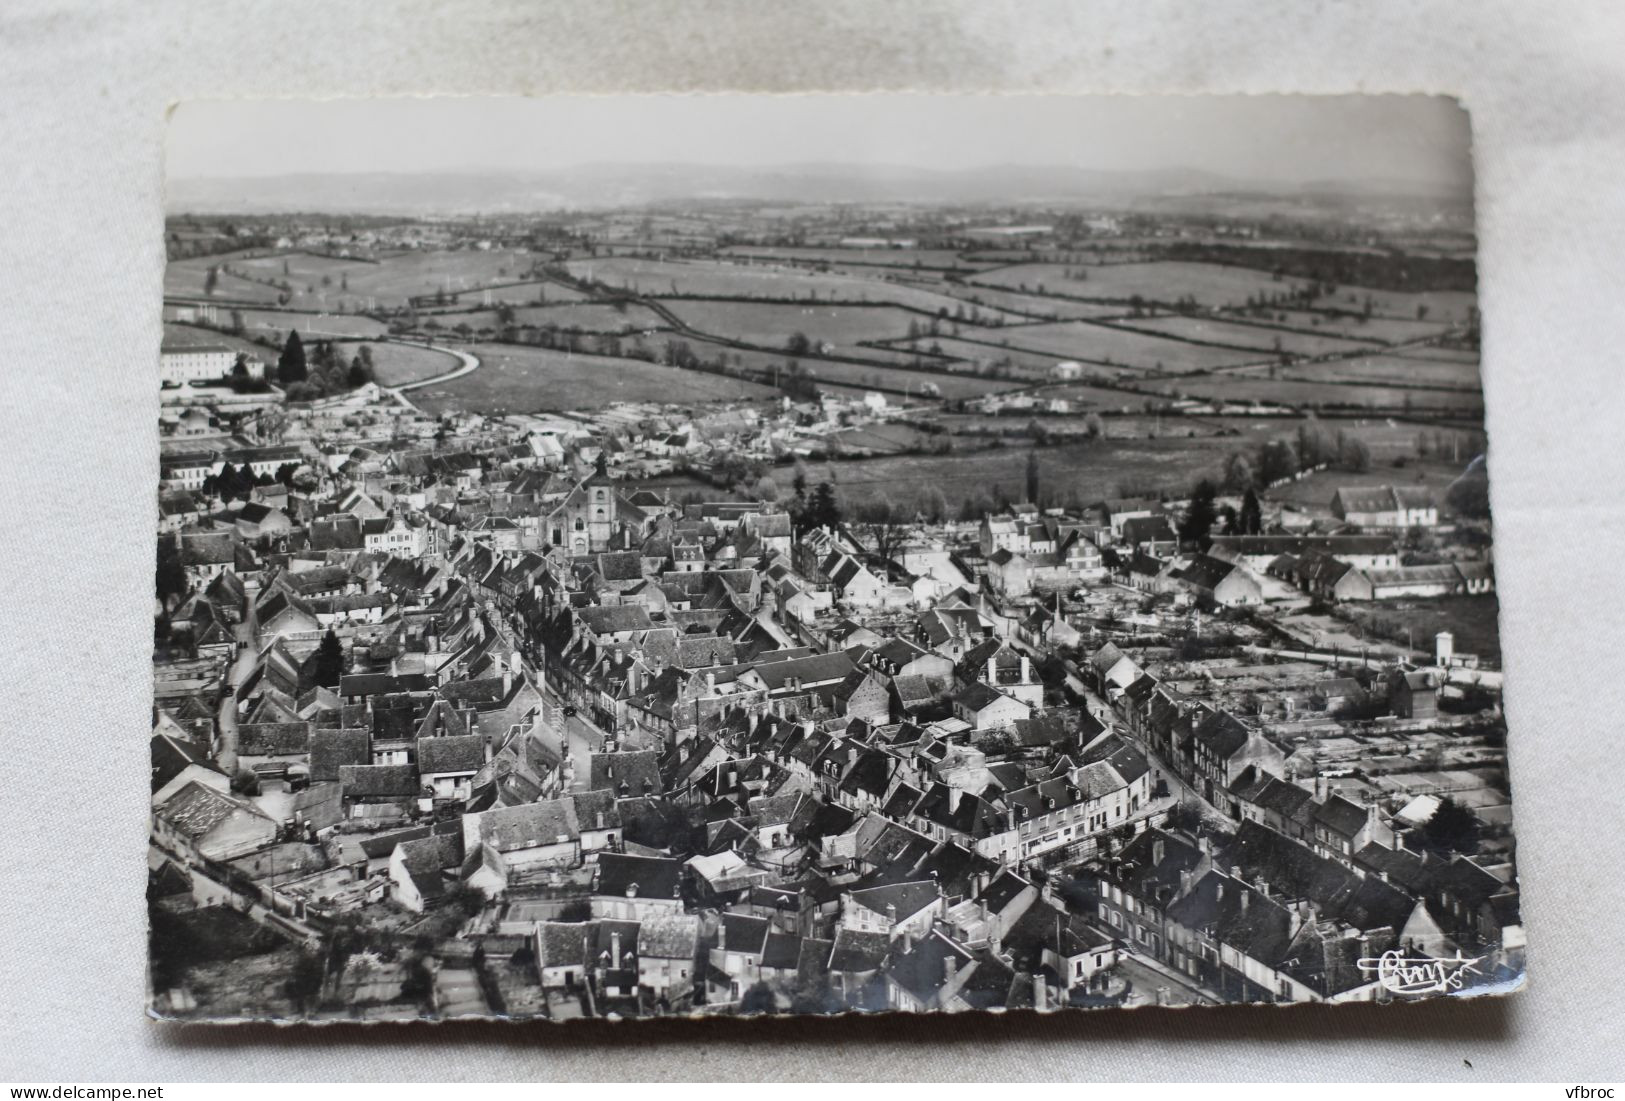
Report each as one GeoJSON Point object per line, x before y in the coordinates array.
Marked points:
{"type": "Point", "coordinates": [468, 363]}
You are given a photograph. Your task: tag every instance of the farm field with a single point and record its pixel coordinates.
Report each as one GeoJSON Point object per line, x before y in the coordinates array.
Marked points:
{"type": "Point", "coordinates": [300, 267]}
{"type": "Point", "coordinates": [531, 293]}
{"type": "Point", "coordinates": [1435, 353]}
{"type": "Point", "coordinates": [276, 323]}
{"type": "Point", "coordinates": [1101, 398]}
{"type": "Point", "coordinates": [1314, 491]}
{"type": "Point", "coordinates": [1249, 336]}
{"type": "Point", "coordinates": [1116, 347]}
{"type": "Point", "coordinates": [186, 278]}
{"type": "Point", "coordinates": [1110, 248]}
{"type": "Point", "coordinates": [399, 364]}
{"type": "Point", "coordinates": [1384, 330]}
{"type": "Point", "coordinates": [1115, 427]}
{"type": "Point", "coordinates": [421, 273]}
{"type": "Point", "coordinates": [723, 280]}
{"type": "Point", "coordinates": [1210, 284]}
{"type": "Point", "coordinates": [1029, 366]}
{"type": "Point", "coordinates": [1389, 440]}
{"type": "Point", "coordinates": [1083, 471]}
{"type": "Point", "coordinates": [1054, 309]}
{"type": "Point", "coordinates": [1449, 307]}
{"type": "Point", "coordinates": [1290, 392]}
{"type": "Point", "coordinates": [952, 386]}
{"type": "Point", "coordinates": [588, 317]}
{"type": "Point", "coordinates": [882, 438]}
{"type": "Point", "coordinates": [940, 259]}
{"type": "Point", "coordinates": [1387, 368]}
{"type": "Point", "coordinates": [771, 325]}
{"type": "Point", "coordinates": [515, 379]}
{"type": "Point", "coordinates": [387, 283]}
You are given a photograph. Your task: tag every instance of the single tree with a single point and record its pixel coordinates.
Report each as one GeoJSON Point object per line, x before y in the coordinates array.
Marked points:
{"type": "Point", "coordinates": [1197, 525]}
{"type": "Point", "coordinates": [823, 508]}
{"type": "Point", "coordinates": [884, 530]}
{"type": "Point", "coordinates": [329, 660]}
{"type": "Point", "coordinates": [290, 366]}
{"type": "Point", "coordinates": [1469, 495]}
{"type": "Point", "coordinates": [1238, 473]}
{"type": "Point", "coordinates": [1277, 461]}
{"type": "Point", "coordinates": [172, 584]}
{"type": "Point", "coordinates": [1250, 520]}
{"type": "Point", "coordinates": [1452, 828]}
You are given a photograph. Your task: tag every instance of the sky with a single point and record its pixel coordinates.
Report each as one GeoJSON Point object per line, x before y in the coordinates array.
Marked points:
{"type": "Point", "coordinates": [1267, 138]}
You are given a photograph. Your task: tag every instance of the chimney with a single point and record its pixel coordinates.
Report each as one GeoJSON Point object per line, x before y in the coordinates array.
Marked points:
{"type": "Point", "coordinates": [1185, 881]}
{"type": "Point", "coordinates": [631, 890]}
{"type": "Point", "coordinates": [600, 819]}
{"type": "Point", "coordinates": [1218, 892]}
{"type": "Point", "coordinates": [1040, 993]}
{"type": "Point", "coordinates": [710, 684]}
{"type": "Point", "coordinates": [992, 673]}
{"type": "Point", "coordinates": [891, 914]}
{"type": "Point", "coordinates": [722, 936]}
{"type": "Point", "coordinates": [1157, 851]}
{"type": "Point", "coordinates": [1245, 895]}
{"type": "Point", "coordinates": [615, 949]}
{"type": "Point", "coordinates": [1026, 669]}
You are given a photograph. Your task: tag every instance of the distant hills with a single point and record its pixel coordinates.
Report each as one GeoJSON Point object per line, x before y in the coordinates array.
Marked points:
{"type": "Point", "coordinates": [630, 185]}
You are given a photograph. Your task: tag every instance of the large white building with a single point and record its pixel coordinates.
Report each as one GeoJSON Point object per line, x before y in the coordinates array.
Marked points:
{"type": "Point", "coordinates": [202, 363]}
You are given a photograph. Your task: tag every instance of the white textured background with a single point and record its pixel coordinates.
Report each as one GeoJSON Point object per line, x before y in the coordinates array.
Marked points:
{"type": "Point", "coordinates": [83, 89]}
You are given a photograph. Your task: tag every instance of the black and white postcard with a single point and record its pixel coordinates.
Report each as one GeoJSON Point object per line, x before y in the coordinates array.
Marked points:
{"type": "Point", "coordinates": [642, 556]}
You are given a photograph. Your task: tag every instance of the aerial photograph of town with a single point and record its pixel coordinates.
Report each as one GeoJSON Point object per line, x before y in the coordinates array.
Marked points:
{"type": "Point", "coordinates": [743, 556]}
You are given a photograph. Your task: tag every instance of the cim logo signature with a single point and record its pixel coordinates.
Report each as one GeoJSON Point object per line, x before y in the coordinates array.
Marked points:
{"type": "Point", "coordinates": [1402, 974]}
